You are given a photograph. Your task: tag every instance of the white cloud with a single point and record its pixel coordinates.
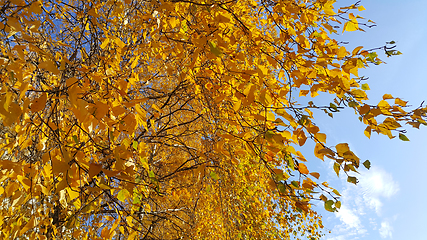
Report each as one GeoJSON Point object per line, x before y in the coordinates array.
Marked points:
{"type": "Point", "coordinates": [337, 238]}
{"type": "Point", "coordinates": [385, 229]}
{"type": "Point", "coordinates": [376, 184]}
{"type": "Point", "coordinates": [361, 205]}
{"type": "Point", "coordinates": [349, 217]}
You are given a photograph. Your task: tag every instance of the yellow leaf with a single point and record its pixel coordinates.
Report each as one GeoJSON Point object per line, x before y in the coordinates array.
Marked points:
{"type": "Point", "coordinates": [39, 103]}
{"type": "Point", "coordinates": [303, 41]}
{"type": "Point", "coordinates": [236, 106]}
{"type": "Point", "coordinates": [23, 89]}
{"type": "Point", "coordinates": [101, 110]}
{"type": "Point", "coordinates": [341, 53]}
{"type": "Point", "coordinates": [110, 173]}
{"type": "Point", "coordinates": [391, 123]}
{"type": "Point", "coordinates": [302, 168]}
{"type": "Point", "coordinates": [321, 137]}
{"type": "Point", "coordinates": [8, 101]}
{"type": "Point", "coordinates": [302, 205]}
{"type": "Point", "coordinates": [50, 66]}
{"type": "Point", "coordinates": [157, 108]}
{"type": "Point", "coordinates": [356, 50]}
{"type": "Point", "coordinates": [400, 102]}
{"type": "Point", "coordinates": [36, 7]}
{"type": "Point", "coordinates": [342, 148]}
{"type": "Point", "coordinates": [383, 104]}
{"type": "Point", "coordinates": [351, 25]}
{"type": "Point", "coordinates": [367, 132]}
{"type": "Point", "coordinates": [28, 226]}
{"type": "Point", "coordinates": [303, 92]}
{"type": "Point", "coordinates": [14, 23]}
{"type": "Point", "coordinates": [73, 193]}
{"type": "Point", "coordinates": [135, 62]}
{"type": "Point", "coordinates": [119, 43]}
{"type": "Point", "coordinates": [113, 228]}
{"type": "Point", "coordinates": [317, 151]}
{"type": "Point", "coordinates": [327, 8]}
{"type": "Point", "coordinates": [105, 43]}
{"type": "Point", "coordinates": [26, 182]}
{"type": "Point", "coordinates": [387, 96]}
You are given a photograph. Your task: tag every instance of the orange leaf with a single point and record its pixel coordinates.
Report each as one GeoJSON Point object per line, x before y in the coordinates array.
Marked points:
{"type": "Point", "coordinates": [94, 169]}
{"type": "Point", "coordinates": [387, 96]}
{"type": "Point", "coordinates": [302, 168]}
{"type": "Point", "coordinates": [59, 166]}
{"type": "Point", "coordinates": [39, 103]}
{"type": "Point", "coordinates": [315, 174]}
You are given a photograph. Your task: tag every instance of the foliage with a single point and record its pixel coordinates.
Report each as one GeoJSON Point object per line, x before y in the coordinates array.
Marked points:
{"type": "Point", "coordinates": [176, 119]}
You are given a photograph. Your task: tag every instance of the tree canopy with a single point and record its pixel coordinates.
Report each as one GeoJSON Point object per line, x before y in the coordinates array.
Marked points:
{"type": "Point", "coordinates": [178, 119]}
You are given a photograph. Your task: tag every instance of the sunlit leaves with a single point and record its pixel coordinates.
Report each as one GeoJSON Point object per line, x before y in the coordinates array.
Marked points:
{"type": "Point", "coordinates": [302, 168]}
{"type": "Point", "coordinates": [351, 25]}
{"type": "Point", "coordinates": [123, 195]}
{"type": "Point", "coordinates": [367, 131]}
{"type": "Point", "coordinates": [342, 148]}
{"type": "Point", "coordinates": [153, 118]}
{"type": "Point", "coordinates": [361, 8]}
{"type": "Point", "coordinates": [105, 43]}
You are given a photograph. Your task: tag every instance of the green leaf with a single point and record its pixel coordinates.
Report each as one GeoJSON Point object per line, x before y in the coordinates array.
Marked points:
{"type": "Point", "coordinates": [303, 120]}
{"type": "Point", "coordinates": [352, 180]}
{"type": "Point", "coordinates": [75, 139]}
{"type": "Point", "coordinates": [328, 206]}
{"type": "Point", "coordinates": [184, 26]}
{"type": "Point", "coordinates": [371, 56]}
{"type": "Point", "coordinates": [135, 145]}
{"type": "Point", "coordinates": [291, 163]}
{"type": "Point", "coordinates": [333, 107]}
{"type": "Point", "coordinates": [353, 104]}
{"type": "Point", "coordinates": [336, 192]}
{"type": "Point", "coordinates": [136, 199]}
{"type": "Point", "coordinates": [214, 176]}
{"type": "Point", "coordinates": [392, 53]}
{"type": "Point", "coordinates": [367, 164]}
{"type": "Point", "coordinates": [281, 188]}
{"type": "Point", "coordinates": [337, 169]}
{"type": "Point", "coordinates": [71, 223]}
{"type": "Point", "coordinates": [403, 137]}
{"type": "Point", "coordinates": [295, 184]}
{"type": "Point", "coordinates": [123, 194]}
{"type": "Point", "coordinates": [151, 174]}
{"type": "Point", "coordinates": [214, 49]}
{"type": "Point", "coordinates": [269, 134]}
{"type": "Point", "coordinates": [365, 86]}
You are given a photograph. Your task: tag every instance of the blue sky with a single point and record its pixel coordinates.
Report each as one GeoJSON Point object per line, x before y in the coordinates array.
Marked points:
{"type": "Point", "coordinates": [390, 200]}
